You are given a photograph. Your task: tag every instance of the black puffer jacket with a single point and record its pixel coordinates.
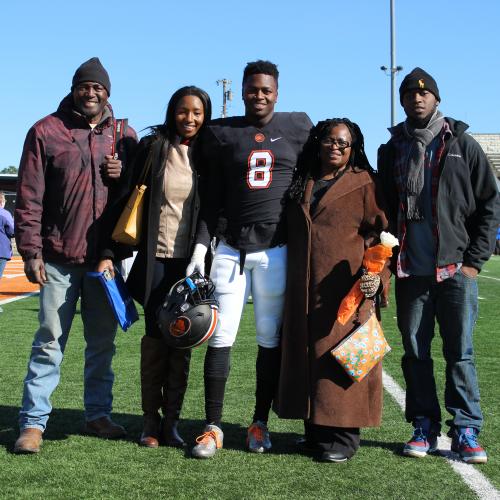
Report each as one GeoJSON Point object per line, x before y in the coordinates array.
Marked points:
{"type": "Point", "coordinates": [468, 204]}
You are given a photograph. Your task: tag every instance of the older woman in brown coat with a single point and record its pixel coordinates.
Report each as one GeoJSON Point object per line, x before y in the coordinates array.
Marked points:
{"type": "Point", "coordinates": [334, 214]}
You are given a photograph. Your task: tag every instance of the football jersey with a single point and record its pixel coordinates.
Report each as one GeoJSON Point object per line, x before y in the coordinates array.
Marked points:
{"type": "Point", "coordinates": [248, 170]}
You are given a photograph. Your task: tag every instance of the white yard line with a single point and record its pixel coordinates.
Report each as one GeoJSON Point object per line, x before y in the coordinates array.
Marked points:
{"type": "Point", "coordinates": [18, 297]}
{"type": "Point", "coordinates": [488, 277]}
{"type": "Point", "coordinates": [476, 481]}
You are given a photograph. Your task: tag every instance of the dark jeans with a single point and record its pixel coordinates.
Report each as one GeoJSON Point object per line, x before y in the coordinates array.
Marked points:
{"type": "Point", "coordinates": [420, 300]}
{"type": "Point", "coordinates": [3, 263]}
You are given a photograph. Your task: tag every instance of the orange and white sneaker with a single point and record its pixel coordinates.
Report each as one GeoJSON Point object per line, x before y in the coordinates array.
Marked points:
{"type": "Point", "coordinates": [258, 440]}
{"type": "Point", "coordinates": [208, 443]}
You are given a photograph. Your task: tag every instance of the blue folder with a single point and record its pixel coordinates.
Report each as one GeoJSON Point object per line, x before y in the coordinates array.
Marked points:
{"type": "Point", "coordinates": [119, 298]}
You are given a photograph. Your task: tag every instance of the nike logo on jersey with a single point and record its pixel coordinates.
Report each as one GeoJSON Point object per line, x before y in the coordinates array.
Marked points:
{"type": "Point", "coordinates": [273, 139]}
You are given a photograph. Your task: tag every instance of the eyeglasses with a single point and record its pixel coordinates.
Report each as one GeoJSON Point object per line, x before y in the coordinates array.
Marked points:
{"type": "Point", "coordinates": [341, 144]}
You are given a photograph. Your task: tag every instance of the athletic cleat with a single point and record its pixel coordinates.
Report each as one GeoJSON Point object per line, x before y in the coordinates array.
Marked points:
{"type": "Point", "coordinates": [258, 440]}
{"type": "Point", "coordinates": [423, 441]}
{"type": "Point", "coordinates": [208, 443]}
{"type": "Point", "coordinates": [464, 442]}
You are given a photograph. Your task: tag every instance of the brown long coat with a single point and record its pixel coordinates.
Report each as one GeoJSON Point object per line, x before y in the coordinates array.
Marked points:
{"type": "Point", "coordinates": [325, 254]}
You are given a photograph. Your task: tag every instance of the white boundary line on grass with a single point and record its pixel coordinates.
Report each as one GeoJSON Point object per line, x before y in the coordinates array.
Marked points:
{"type": "Point", "coordinates": [489, 277]}
{"type": "Point", "coordinates": [476, 481]}
{"type": "Point", "coordinates": [19, 297]}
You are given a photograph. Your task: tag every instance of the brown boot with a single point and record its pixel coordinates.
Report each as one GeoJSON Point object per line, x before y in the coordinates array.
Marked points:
{"type": "Point", "coordinates": [150, 435]}
{"type": "Point", "coordinates": [105, 428]}
{"type": "Point", "coordinates": [170, 435]}
{"type": "Point", "coordinates": [173, 394]}
{"type": "Point", "coordinates": [153, 369]}
{"type": "Point", "coordinates": [29, 441]}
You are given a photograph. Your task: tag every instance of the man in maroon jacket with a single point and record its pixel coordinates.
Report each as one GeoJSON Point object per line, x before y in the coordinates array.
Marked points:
{"type": "Point", "coordinates": [68, 174]}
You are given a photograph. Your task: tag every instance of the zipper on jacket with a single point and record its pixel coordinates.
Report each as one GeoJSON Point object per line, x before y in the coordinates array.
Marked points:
{"type": "Point", "coordinates": [442, 164]}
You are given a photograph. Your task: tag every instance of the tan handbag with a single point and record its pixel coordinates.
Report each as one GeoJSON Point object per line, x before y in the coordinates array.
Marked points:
{"type": "Point", "coordinates": [362, 349]}
{"type": "Point", "coordinates": [129, 225]}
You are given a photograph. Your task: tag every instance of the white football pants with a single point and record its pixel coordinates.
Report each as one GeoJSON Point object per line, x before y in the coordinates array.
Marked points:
{"type": "Point", "coordinates": [264, 276]}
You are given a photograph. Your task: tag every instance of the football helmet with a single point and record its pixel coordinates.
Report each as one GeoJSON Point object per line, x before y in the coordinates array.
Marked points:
{"type": "Point", "coordinates": [189, 314]}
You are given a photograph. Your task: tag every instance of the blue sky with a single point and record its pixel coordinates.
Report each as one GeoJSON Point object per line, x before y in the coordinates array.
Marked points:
{"type": "Point", "coordinates": [328, 52]}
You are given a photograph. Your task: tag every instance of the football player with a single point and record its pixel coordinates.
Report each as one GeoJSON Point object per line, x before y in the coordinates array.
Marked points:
{"type": "Point", "coordinates": [249, 163]}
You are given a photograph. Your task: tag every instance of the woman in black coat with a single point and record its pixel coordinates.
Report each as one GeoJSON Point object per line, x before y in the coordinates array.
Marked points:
{"type": "Point", "coordinates": [171, 209]}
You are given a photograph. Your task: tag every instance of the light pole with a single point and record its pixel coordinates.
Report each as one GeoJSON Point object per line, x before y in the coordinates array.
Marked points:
{"type": "Point", "coordinates": [393, 70]}
{"type": "Point", "coordinates": [227, 95]}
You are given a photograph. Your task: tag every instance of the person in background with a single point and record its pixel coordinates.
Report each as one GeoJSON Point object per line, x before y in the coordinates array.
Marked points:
{"type": "Point", "coordinates": [334, 212]}
{"type": "Point", "coordinates": [6, 233]}
{"type": "Point", "coordinates": [67, 176]}
{"type": "Point", "coordinates": [171, 208]}
{"type": "Point", "coordinates": [445, 209]}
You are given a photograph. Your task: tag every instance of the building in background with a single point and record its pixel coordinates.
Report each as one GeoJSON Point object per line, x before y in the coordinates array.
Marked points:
{"type": "Point", "coordinates": [491, 146]}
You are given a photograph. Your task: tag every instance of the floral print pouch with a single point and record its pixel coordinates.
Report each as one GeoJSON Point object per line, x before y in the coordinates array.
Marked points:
{"type": "Point", "coordinates": [362, 349]}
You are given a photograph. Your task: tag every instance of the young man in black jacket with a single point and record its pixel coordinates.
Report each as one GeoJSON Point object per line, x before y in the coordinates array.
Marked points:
{"type": "Point", "coordinates": [445, 209]}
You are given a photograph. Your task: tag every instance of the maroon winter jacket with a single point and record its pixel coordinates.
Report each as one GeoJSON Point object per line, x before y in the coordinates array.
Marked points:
{"type": "Point", "coordinates": [61, 194]}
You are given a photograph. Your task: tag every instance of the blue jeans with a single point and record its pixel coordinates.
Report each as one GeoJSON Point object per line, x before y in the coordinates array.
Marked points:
{"type": "Point", "coordinates": [3, 263]}
{"type": "Point", "coordinates": [420, 300]}
{"type": "Point", "coordinates": [58, 300]}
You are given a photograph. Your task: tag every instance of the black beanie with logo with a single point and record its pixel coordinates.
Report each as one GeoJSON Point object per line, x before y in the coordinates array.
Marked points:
{"type": "Point", "coordinates": [418, 79]}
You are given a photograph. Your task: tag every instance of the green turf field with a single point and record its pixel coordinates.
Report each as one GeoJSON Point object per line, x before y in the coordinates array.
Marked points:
{"type": "Point", "coordinates": [75, 466]}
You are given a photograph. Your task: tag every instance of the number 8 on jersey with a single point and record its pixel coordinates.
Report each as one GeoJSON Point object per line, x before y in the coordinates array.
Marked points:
{"type": "Point", "coordinates": [260, 166]}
